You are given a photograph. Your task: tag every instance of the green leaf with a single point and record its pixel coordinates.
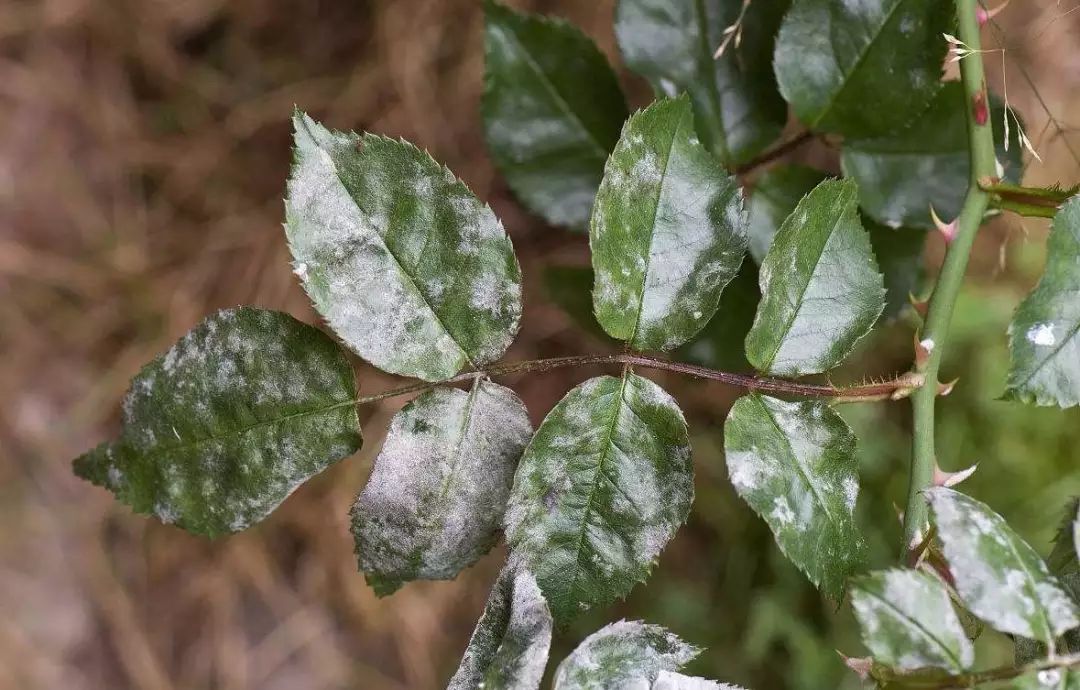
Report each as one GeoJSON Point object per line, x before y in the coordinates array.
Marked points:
{"type": "Point", "coordinates": [667, 231]}
{"type": "Point", "coordinates": [410, 269]}
{"type": "Point", "coordinates": [998, 576]}
{"type": "Point", "coordinates": [509, 647]}
{"type": "Point", "coordinates": [552, 110]}
{"type": "Point", "coordinates": [776, 194]}
{"type": "Point", "coordinates": [820, 286]}
{"type": "Point", "coordinates": [220, 429]}
{"type": "Point", "coordinates": [901, 175]}
{"type": "Point", "coordinates": [1048, 679]}
{"type": "Point", "coordinates": [669, 680]}
{"type": "Point", "coordinates": [570, 287]}
{"type": "Point", "coordinates": [720, 343]}
{"type": "Point", "coordinates": [861, 68]}
{"type": "Point", "coordinates": [1044, 336]}
{"type": "Point", "coordinates": [908, 621]}
{"type": "Point", "coordinates": [1064, 557]}
{"type": "Point", "coordinates": [899, 255]}
{"type": "Point", "coordinates": [435, 500]}
{"type": "Point", "coordinates": [627, 654]}
{"type": "Point", "coordinates": [602, 487]}
{"type": "Point", "coordinates": [794, 463]}
{"type": "Point", "coordinates": [671, 43]}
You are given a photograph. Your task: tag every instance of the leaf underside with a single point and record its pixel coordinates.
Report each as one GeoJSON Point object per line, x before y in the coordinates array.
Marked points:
{"type": "Point", "coordinates": [220, 429]}
{"type": "Point", "coordinates": [435, 500]}
{"type": "Point", "coordinates": [409, 268]}
{"type": "Point", "coordinates": [603, 485]}
{"type": "Point", "coordinates": [795, 464]}
{"type": "Point", "coordinates": [552, 109]}
{"type": "Point", "coordinates": [1044, 336]}
{"type": "Point", "coordinates": [667, 231]}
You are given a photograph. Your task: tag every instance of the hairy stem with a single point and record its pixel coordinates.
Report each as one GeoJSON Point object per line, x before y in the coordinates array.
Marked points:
{"type": "Point", "coordinates": [942, 302]}
{"type": "Point", "coordinates": [895, 388]}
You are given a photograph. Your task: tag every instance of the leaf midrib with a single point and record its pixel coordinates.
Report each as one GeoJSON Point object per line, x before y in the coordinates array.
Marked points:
{"type": "Point", "coordinates": [913, 624]}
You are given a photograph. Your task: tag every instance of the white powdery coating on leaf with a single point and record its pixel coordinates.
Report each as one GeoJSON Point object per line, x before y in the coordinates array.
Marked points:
{"type": "Point", "coordinates": [1041, 334]}
{"type": "Point", "coordinates": [669, 680]}
{"type": "Point", "coordinates": [438, 491]}
{"type": "Point", "coordinates": [999, 576]}
{"type": "Point", "coordinates": [625, 654]}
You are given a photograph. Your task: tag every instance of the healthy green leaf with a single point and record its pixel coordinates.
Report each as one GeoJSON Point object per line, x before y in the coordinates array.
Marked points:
{"type": "Point", "coordinates": [509, 647]}
{"type": "Point", "coordinates": [794, 463]}
{"type": "Point", "coordinates": [627, 654]}
{"type": "Point", "coordinates": [901, 175]}
{"type": "Point", "coordinates": [671, 43]}
{"type": "Point", "coordinates": [435, 500]}
{"type": "Point", "coordinates": [820, 286]}
{"type": "Point", "coordinates": [720, 343]}
{"type": "Point", "coordinates": [1064, 556]}
{"type": "Point", "coordinates": [998, 576]}
{"type": "Point", "coordinates": [861, 68]}
{"type": "Point", "coordinates": [1044, 336]}
{"type": "Point", "coordinates": [908, 621]}
{"type": "Point", "coordinates": [408, 267]}
{"type": "Point", "coordinates": [776, 194]}
{"type": "Point", "coordinates": [667, 231]}
{"type": "Point", "coordinates": [669, 680]}
{"type": "Point", "coordinates": [220, 429]}
{"type": "Point", "coordinates": [899, 253]}
{"type": "Point", "coordinates": [602, 487]}
{"type": "Point", "coordinates": [552, 110]}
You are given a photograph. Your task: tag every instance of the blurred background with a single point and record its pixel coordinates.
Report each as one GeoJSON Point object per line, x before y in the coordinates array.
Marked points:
{"type": "Point", "coordinates": [144, 146]}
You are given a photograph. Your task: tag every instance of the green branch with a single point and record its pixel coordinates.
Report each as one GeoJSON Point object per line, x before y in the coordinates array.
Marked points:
{"type": "Point", "coordinates": [939, 314]}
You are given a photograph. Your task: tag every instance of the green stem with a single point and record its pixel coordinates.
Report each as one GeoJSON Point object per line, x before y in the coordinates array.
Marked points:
{"type": "Point", "coordinates": [943, 301]}
{"type": "Point", "coordinates": [885, 390]}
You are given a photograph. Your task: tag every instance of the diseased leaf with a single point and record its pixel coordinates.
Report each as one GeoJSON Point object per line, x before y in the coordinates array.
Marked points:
{"type": "Point", "coordinates": [908, 621]}
{"type": "Point", "coordinates": [861, 68]}
{"type": "Point", "coordinates": [899, 253]}
{"type": "Point", "coordinates": [509, 647]}
{"type": "Point", "coordinates": [820, 286]}
{"type": "Point", "coordinates": [220, 429]}
{"type": "Point", "coordinates": [998, 576]}
{"type": "Point", "coordinates": [410, 269]}
{"type": "Point", "coordinates": [667, 231]}
{"type": "Point", "coordinates": [901, 175]}
{"type": "Point", "coordinates": [552, 110]}
{"type": "Point", "coordinates": [1048, 679]}
{"type": "Point", "coordinates": [720, 344]}
{"type": "Point", "coordinates": [627, 654]}
{"type": "Point", "coordinates": [776, 194]}
{"type": "Point", "coordinates": [602, 487]}
{"type": "Point", "coordinates": [668, 680]}
{"type": "Point", "coordinates": [794, 463]}
{"type": "Point", "coordinates": [435, 500]}
{"type": "Point", "coordinates": [671, 42]}
{"type": "Point", "coordinates": [1044, 336]}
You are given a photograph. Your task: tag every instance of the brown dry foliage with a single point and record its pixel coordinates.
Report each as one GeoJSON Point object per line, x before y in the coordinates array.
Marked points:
{"type": "Point", "coordinates": [143, 150]}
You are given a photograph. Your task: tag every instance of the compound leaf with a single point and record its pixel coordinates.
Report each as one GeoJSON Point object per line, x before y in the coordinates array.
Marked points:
{"type": "Point", "coordinates": [820, 286]}
{"type": "Point", "coordinates": [552, 110]}
{"type": "Point", "coordinates": [410, 269]}
{"type": "Point", "coordinates": [602, 487]}
{"type": "Point", "coordinates": [908, 621]}
{"type": "Point", "coordinates": [627, 654]}
{"type": "Point", "coordinates": [901, 175]}
{"type": "Point", "coordinates": [861, 69]}
{"type": "Point", "coordinates": [509, 647]}
{"type": "Point", "coordinates": [998, 576]}
{"type": "Point", "coordinates": [435, 500]}
{"type": "Point", "coordinates": [671, 42]}
{"type": "Point", "coordinates": [1044, 336]}
{"type": "Point", "coordinates": [667, 231]}
{"type": "Point", "coordinates": [794, 463]}
{"type": "Point", "coordinates": [220, 429]}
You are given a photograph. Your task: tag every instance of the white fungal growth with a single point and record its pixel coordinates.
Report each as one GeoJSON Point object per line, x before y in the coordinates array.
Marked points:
{"type": "Point", "coordinates": [1041, 334]}
{"type": "Point", "coordinates": [301, 270]}
{"type": "Point", "coordinates": [927, 344]}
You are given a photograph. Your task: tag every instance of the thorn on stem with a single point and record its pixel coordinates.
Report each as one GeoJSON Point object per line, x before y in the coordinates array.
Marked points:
{"type": "Point", "coordinates": [951, 479]}
{"type": "Point", "coordinates": [944, 389]}
{"type": "Point", "coordinates": [947, 230]}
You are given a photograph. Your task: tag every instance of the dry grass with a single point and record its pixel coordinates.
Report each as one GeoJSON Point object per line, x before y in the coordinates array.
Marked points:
{"type": "Point", "coordinates": [143, 149]}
